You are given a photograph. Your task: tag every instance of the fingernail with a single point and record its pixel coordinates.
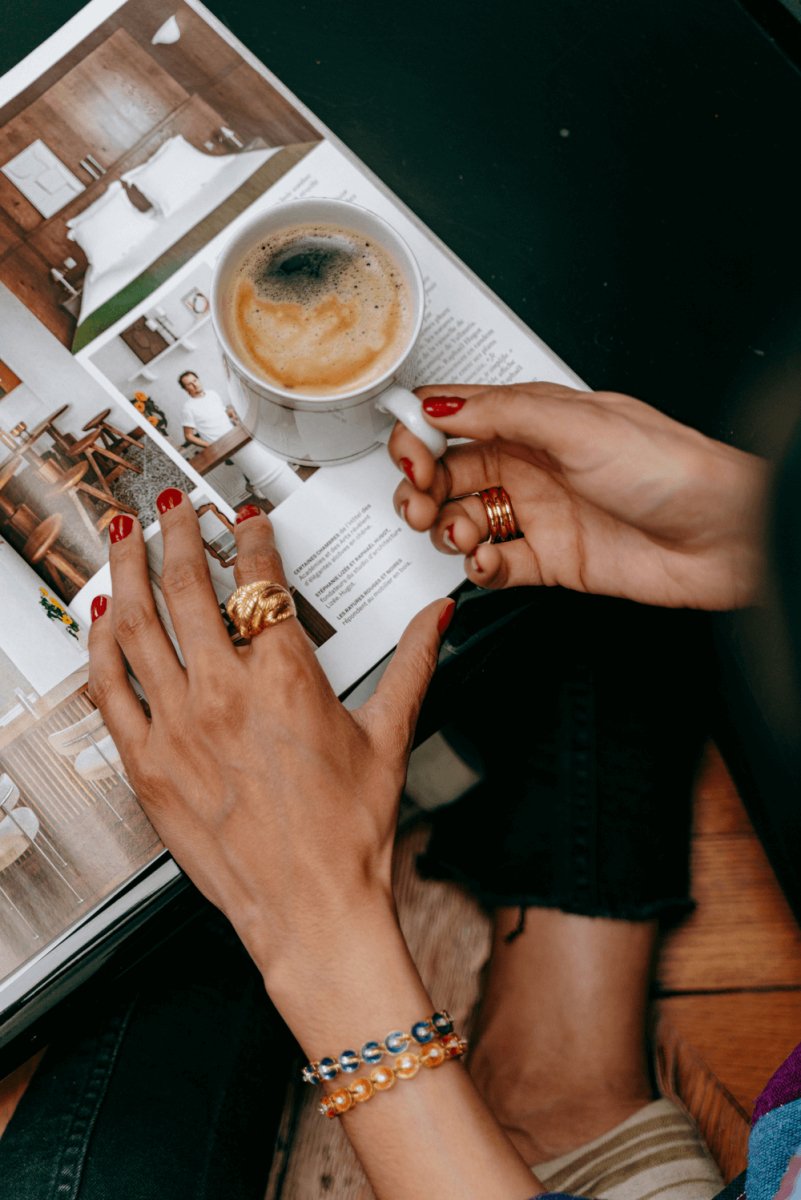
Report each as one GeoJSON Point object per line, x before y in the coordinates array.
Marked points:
{"type": "Point", "coordinates": [476, 565]}
{"type": "Point", "coordinates": [99, 606]}
{"type": "Point", "coordinates": [169, 498]}
{"type": "Point", "coordinates": [120, 527]}
{"type": "Point", "coordinates": [442, 406]}
{"type": "Point", "coordinates": [246, 512]}
{"type": "Point", "coordinates": [407, 466]}
{"type": "Point", "coordinates": [447, 538]}
{"type": "Point", "coordinates": [402, 510]}
{"type": "Point", "coordinates": [446, 616]}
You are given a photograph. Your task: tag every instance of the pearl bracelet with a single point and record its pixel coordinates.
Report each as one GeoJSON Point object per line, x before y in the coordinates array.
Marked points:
{"type": "Point", "coordinates": [405, 1066]}
{"type": "Point", "coordinates": [440, 1024]}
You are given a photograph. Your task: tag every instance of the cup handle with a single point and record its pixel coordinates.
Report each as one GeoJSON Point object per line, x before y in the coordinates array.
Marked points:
{"type": "Point", "coordinates": [406, 408]}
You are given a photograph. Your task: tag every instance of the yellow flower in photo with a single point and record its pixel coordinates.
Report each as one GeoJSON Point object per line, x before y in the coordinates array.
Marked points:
{"type": "Point", "coordinates": [153, 420]}
{"type": "Point", "coordinates": [140, 396]}
{"type": "Point", "coordinates": [66, 618]}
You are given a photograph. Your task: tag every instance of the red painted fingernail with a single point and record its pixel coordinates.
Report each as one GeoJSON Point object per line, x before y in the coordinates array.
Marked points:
{"type": "Point", "coordinates": [246, 512]}
{"type": "Point", "coordinates": [169, 498]}
{"type": "Point", "coordinates": [446, 616]}
{"type": "Point", "coordinates": [99, 606]}
{"type": "Point", "coordinates": [448, 539]}
{"type": "Point", "coordinates": [120, 527]}
{"type": "Point", "coordinates": [407, 466]}
{"type": "Point", "coordinates": [442, 406]}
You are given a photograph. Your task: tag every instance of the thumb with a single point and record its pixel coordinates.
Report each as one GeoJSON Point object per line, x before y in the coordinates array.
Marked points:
{"type": "Point", "coordinates": [391, 712]}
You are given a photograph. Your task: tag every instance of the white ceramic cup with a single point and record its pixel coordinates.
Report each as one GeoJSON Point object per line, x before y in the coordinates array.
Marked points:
{"type": "Point", "coordinates": [322, 430]}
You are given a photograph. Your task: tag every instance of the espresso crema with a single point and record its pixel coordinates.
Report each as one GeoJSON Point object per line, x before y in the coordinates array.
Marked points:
{"type": "Point", "coordinates": [319, 310]}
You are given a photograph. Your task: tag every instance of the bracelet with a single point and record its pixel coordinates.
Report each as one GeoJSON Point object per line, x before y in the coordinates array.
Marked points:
{"type": "Point", "coordinates": [407, 1063]}
{"type": "Point", "coordinates": [439, 1024]}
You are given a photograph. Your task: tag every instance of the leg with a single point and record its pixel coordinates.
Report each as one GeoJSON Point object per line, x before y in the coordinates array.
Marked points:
{"type": "Point", "coordinates": [167, 1085]}
{"type": "Point", "coordinates": [574, 1064]}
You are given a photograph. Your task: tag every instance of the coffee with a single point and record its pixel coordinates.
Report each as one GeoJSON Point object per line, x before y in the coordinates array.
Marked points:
{"type": "Point", "coordinates": [319, 310]}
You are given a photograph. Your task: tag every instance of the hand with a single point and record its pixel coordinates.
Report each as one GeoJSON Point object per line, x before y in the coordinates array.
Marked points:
{"type": "Point", "coordinates": [610, 495]}
{"type": "Point", "coordinates": [278, 802]}
{"type": "Point", "coordinates": [281, 805]}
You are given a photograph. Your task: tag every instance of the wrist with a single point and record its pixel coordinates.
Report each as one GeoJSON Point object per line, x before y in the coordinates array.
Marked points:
{"type": "Point", "coordinates": [347, 982]}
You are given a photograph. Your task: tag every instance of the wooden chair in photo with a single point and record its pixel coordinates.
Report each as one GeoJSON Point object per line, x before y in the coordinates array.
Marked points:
{"type": "Point", "coordinates": [73, 480]}
{"type": "Point", "coordinates": [107, 465]}
{"type": "Point", "coordinates": [41, 547]}
{"type": "Point", "coordinates": [112, 437]}
{"type": "Point", "coordinates": [25, 821]}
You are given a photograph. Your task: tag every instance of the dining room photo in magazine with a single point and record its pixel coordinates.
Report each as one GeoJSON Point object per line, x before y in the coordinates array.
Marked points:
{"type": "Point", "coordinates": [71, 829]}
{"type": "Point", "coordinates": [126, 156]}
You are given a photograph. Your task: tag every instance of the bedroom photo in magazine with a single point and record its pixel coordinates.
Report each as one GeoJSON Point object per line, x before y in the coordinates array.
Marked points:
{"type": "Point", "coordinates": [128, 155]}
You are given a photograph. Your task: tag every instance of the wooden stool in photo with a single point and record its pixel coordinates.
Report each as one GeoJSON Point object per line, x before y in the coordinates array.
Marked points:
{"type": "Point", "coordinates": [111, 436]}
{"type": "Point", "coordinates": [41, 547]}
{"type": "Point", "coordinates": [107, 465]}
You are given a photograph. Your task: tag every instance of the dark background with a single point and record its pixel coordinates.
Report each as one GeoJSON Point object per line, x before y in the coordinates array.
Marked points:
{"type": "Point", "coordinates": [623, 175]}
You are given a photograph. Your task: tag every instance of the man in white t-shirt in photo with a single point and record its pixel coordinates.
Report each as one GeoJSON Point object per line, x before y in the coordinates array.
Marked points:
{"type": "Point", "coordinates": [206, 419]}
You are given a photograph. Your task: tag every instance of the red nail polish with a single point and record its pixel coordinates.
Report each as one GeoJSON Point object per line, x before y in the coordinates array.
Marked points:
{"type": "Point", "coordinates": [99, 606]}
{"type": "Point", "coordinates": [442, 406]}
{"type": "Point", "coordinates": [246, 512]}
{"type": "Point", "coordinates": [407, 466]}
{"type": "Point", "coordinates": [120, 527]}
{"type": "Point", "coordinates": [446, 616]}
{"type": "Point", "coordinates": [449, 539]}
{"type": "Point", "coordinates": [169, 498]}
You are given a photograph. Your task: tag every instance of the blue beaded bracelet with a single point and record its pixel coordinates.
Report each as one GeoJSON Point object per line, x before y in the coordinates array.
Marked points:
{"type": "Point", "coordinates": [437, 1025]}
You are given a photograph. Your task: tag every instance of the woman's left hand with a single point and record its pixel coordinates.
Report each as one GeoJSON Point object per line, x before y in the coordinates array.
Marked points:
{"type": "Point", "coordinates": [277, 801]}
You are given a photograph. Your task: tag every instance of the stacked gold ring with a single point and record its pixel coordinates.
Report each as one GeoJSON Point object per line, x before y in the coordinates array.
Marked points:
{"type": "Point", "coordinates": [255, 606]}
{"type": "Point", "coordinates": [501, 519]}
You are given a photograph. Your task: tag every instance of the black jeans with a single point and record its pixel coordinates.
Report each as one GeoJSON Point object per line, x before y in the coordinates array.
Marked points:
{"type": "Point", "coordinates": [171, 1088]}
{"type": "Point", "coordinates": [586, 718]}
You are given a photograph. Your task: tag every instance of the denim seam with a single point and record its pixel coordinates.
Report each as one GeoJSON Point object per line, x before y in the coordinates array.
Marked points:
{"type": "Point", "coordinates": [69, 1168]}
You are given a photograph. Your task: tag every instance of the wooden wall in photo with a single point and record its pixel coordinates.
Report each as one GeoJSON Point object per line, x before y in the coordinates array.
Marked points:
{"type": "Point", "coordinates": [8, 380]}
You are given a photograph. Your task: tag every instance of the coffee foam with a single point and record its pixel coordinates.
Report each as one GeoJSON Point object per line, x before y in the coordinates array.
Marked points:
{"type": "Point", "coordinates": [319, 310]}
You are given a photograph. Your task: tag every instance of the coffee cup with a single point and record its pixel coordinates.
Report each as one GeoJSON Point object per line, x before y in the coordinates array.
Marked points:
{"type": "Point", "coordinates": [317, 305]}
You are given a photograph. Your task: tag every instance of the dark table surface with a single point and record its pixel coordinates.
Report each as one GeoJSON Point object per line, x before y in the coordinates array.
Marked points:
{"type": "Point", "coordinates": [622, 174]}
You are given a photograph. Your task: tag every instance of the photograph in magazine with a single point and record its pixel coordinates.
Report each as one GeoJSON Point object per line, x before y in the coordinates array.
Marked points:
{"type": "Point", "coordinates": [71, 829]}
{"type": "Point", "coordinates": [127, 155]}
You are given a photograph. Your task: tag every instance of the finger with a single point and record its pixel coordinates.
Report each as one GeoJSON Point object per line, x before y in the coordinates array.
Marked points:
{"type": "Point", "coordinates": [186, 585]}
{"type": "Point", "coordinates": [533, 414]}
{"type": "Point", "coordinates": [257, 561]}
{"type": "Point", "coordinates": [391, 712]}
{"type": "Point", "coordinates": [460, 526]}
{"type": "Point", "coordinates": [502, 565]}
{"type": "Point", "coordinates": [412, 457]}
{"type": "Point", "coordinates": [110, 686]}
{"type": "Point", "coordinates": [257, 557]}
{"type": "Point", "coordinates": [137, 627]}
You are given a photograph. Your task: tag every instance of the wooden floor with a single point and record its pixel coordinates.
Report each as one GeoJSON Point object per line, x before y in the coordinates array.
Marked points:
{"type": "Point", "coordinates": [727, 994]}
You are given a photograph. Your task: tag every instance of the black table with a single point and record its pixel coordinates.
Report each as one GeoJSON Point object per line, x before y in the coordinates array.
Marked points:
{"type": "Point", "coordinates": [621, 174]}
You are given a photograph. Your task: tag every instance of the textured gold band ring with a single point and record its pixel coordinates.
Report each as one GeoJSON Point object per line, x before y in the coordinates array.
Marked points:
{"type": "Point", "coordinates": [255, 606]}
{"type": "Point", "coordinates": [501, 519]}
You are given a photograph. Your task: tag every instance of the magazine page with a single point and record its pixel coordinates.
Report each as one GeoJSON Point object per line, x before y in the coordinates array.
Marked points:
{"type": "Point", "coordinates": [134, 143]}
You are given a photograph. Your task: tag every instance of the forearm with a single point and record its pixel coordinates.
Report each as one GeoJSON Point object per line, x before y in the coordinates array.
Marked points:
{"type": "Point", "coordinates": [430, 1137]}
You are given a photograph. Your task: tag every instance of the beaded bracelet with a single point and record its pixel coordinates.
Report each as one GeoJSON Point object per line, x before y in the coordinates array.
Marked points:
{"type": "Point", "coordinates": [439, 1024]}
{"type": "Point", "coordinates": [407, 1063]}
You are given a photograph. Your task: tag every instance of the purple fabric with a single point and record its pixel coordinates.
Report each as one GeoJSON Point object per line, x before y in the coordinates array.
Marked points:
{"type": "Point", "coordinates": [782, 1087]}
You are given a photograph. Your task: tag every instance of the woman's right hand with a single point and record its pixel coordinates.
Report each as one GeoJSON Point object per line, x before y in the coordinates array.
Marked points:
{"type": "Point", "coordinates": [611, 495]}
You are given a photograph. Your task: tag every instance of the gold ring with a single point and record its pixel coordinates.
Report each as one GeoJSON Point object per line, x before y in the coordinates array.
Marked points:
{"type": "Point", "coordinates": [255, 606]}
{"type": "Point", "coordinates": [501, 519]}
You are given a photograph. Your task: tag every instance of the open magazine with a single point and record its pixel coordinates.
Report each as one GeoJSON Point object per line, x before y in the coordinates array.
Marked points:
{"type": "Point", "coordinates": [132, 142]}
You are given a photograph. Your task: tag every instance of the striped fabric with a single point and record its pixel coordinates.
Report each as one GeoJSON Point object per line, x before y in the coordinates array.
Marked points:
{"type": "Point", "coordinates": [656, 1153]}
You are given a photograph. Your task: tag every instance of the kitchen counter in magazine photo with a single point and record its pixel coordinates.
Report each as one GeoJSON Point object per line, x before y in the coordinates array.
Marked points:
{"type": "Point", "coordinates": [596, 195]}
